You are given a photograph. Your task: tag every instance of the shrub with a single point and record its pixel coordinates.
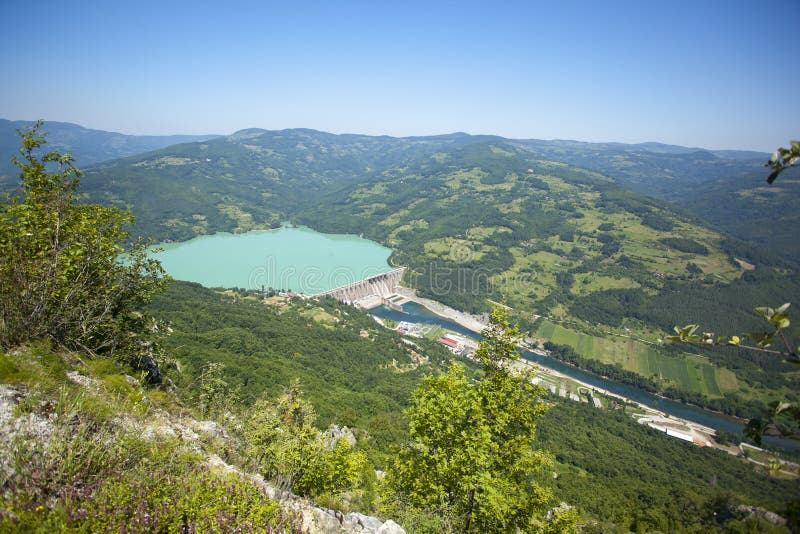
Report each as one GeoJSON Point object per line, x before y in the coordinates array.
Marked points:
{"type": "Point", "coordinates": [61, 275]}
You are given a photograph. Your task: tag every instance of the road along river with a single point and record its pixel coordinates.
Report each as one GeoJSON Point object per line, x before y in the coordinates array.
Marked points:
{"type": "Point", "coordinates": [417, 313]}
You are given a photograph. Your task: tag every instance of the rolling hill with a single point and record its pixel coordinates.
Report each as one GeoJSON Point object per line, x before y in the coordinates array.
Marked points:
{"type": "Point", "coordinates": [726, 188]}
{"type": "Point", "coordinates": [481, 219]}
{"type": "Point", "coordinates": [716, 185]}
{"type": "Point", "coordinates": [252, 179]}
{"type": "Point", "coordinates": [86, 145]}
{"type": "Point", "coordinates": [488, 223]}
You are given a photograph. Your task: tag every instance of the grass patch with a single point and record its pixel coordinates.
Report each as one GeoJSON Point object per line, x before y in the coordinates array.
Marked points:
{"type": "Point", "coordinates": [710, 379]}
{"type": "Point", "coordinates": [726, 380]}
{"type": "Point", "coordinates": [482, 232]}
{"type": "Point", "coordinates": [546, 329]}
{"type": "Point", "coordinates": [456, 250]}
{"type": "Point", "coordinates": [590, 282]}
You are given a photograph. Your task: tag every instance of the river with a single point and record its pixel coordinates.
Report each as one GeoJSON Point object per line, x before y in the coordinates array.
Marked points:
{"type": "Point", "coordinates": [417, 313]}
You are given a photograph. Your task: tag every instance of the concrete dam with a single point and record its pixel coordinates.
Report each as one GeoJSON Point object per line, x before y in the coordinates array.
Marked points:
{"type": "Point", "coordinates": [369, 292]}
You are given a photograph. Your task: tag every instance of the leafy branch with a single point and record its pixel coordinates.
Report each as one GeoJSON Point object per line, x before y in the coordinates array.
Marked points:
{"type": "Point", "coordinates": [763, 341]}
{"type": "Point", "coordinates": [776, 317]}
{"type": "Point", "coordinates": [782, 159]}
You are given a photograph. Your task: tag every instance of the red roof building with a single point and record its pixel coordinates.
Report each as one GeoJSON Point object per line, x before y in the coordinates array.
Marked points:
{"type": "Point", "coordinates": [448, 342]}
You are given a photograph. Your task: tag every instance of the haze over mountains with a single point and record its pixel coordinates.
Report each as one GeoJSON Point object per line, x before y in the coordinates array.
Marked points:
{"type": "Point", "coordinates": [87, 146]}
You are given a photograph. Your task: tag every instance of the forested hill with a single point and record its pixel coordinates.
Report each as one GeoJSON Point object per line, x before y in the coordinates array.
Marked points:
{"type": "Point", "coordinates": [480, 219]}
{"type": "Point", "coordinates": [606, 468]}
{"type": "Point", "coordinates": [86, 145]}
{"type": "Point", "coordinates": [252, 179]}
{"type": "Point", "coordinates": [651, 168]}
{"type": "Point", "coordinates": [724, 187]}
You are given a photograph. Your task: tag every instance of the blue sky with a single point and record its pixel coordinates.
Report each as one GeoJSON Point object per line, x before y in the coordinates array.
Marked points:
{"type": "Point", "coordinates": [701, 73]}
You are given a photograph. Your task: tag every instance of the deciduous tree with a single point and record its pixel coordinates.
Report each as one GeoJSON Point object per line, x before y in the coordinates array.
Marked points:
{"type": "Point", "coordinates": [472, 449]}
{"type": "Point", "coordinates": [287, 448]}
{"type": "Point", "coordinates": [66, 272]}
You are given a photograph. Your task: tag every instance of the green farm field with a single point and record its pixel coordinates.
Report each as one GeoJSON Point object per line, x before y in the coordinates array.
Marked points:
{"type": "Point", "coordinates": [690, 372]}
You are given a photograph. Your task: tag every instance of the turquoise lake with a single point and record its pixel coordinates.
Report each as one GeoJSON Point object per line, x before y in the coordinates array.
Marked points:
{"type": "Point", "coordinates": [297, 259]}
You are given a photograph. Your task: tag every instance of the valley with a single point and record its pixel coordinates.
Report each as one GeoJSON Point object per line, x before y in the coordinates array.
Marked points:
{"type": "Point", "coordinates": [399, 267]}
{"type": "Point", "coordinates": [558, 375]}
{"type": "Point", "coordinates": [364, 381]}
{"type": "Point", "coordinates": [581, 258]}
{"type": "Point", "coordinates": [595, 274]}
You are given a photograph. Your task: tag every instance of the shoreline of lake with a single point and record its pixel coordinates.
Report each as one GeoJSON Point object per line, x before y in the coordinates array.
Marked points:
{"type": "Point", "coordinates": [289, 258]}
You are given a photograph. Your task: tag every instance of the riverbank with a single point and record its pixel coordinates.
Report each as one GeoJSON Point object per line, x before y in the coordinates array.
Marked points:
{"type": "Point", "coordinates": [474, 323]}
{"type": "Point", "coordinates": [655, 418]}
{"type": "Point", "coordinates": [427, 311]}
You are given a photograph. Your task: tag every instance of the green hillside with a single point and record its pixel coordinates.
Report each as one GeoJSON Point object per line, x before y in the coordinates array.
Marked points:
{"type": "Point", "coordinates": [86, 145]}
{"type": "Point", "coordinates": [486, 223]}
{"type": "Point", "coordinates": [364, 382]}
{"type": "Point", "coordinates": [508, 226]}
{"type": "Point", "coordinates": [481, 220]}
{"type": "Point", "coordinates": [725, 188]}
{"type": "Point", "coordinates": [354, 381]}
{"type": "Point", "coordinates": [111, 433]}
{"type": "Point", "coordinates": [689, 373]}
{"type": "Point", "coordinates": [693, 179]}
{"type": "Point", "coordinates": [250, 180]}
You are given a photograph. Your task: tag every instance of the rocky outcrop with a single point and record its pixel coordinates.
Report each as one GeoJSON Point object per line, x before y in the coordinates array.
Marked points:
{"type": "Point", "coordinates": [755, 511]}
{"type": "Point", "coordinates": [315, 519]}
{"type": "Point", "coordinates": [335, 433]}
{"type": "Point", "coordinates": [31, 425]}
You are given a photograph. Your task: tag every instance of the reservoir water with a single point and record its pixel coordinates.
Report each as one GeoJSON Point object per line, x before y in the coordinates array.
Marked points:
{"type": "Point", "coordinates": [296, 259]}
{"type": "Point", "coordinates": [416, 313]}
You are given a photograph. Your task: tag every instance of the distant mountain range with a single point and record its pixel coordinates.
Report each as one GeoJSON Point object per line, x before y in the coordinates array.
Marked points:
{"type": "Point", "coordinates": [87, 146]}
{"type": "Point", "coordinates": [640, 237]}
{"type": "Point", "coordinates": [723, 187]}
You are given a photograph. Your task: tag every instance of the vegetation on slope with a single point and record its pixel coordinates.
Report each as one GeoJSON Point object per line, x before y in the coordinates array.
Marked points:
{"type": "Point", "coordinates": [85, 447]}
{"type": "Point", "coordinates": [85, 145]}
{"type": "Point", "coordinates": [566, 244]}
{"type": "Point", "coordinates": [250, 180]}
{"type": "Point", "coordinates": [362, 382]}
{"type": "Point", "coordinates": [671, 487]}
{"type": "Point", "coordinates": [62, 276]}
{"type": "Point", "coordinates": [633, 478]}
{"type": "Point", "coordinates": [472, 451]}
{"type": "Point", "coordinates": [725, 188]}
{"type": "Point", "coordinates": [480, 225]}
{"type": "Point", "coordinates": [477, 227]}
{"type": "Point", "coordinates": [683, 488]}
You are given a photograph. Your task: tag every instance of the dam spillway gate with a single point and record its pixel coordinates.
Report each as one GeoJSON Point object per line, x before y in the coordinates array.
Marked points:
{"type": "Point", "coordinates": [369, 292]}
